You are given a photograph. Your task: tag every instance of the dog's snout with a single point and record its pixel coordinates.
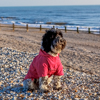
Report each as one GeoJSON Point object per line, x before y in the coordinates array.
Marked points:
{"type": "Point", "coordinates": [62, 40]}
{"type": "Point", "coordinates": [59, 41]}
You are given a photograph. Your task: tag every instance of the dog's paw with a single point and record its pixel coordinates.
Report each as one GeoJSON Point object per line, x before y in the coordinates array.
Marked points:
{"type": "Point", "coordinates": [59, 88]}
{"type": "Point", "coordinates": [44, 91]}
{"type": "Point", "coordinates": [31, 90]}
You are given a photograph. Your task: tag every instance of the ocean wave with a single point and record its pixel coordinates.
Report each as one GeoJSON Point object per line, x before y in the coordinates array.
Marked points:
{"type": "Point", "coordinates": [8, 18]}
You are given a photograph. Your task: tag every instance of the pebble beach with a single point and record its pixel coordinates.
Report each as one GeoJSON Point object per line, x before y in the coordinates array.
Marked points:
{"type": "Point", "coordinates": [80, 59]}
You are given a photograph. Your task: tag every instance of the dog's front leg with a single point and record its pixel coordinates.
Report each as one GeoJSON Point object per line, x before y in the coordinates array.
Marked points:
{"type": "Point", "coordinates": [29, 84]}
{"type": "Point", "coordinates": [57, 82]}
{"type": "Point", "coordinates": [43, 82]}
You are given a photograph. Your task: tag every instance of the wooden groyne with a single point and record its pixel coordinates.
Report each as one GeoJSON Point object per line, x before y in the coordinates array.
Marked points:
{"type": "Point", "coordinates": [13, 27]}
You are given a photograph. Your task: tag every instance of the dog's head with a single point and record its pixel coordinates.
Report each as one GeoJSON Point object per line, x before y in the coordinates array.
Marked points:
{"type": "Point", "coordinates": [53, 41]}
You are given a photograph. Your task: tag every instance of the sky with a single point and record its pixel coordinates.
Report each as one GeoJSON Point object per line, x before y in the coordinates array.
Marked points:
{"type": "Point", "coordinates": [47, 2]}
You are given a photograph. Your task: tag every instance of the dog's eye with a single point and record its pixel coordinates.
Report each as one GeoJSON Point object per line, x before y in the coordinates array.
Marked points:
{"type": "Point", "coordinates": [60, 34]}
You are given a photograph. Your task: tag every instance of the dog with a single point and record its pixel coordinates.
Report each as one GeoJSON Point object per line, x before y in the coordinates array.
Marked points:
{"type": "Point", "coordinates": [47, 63]}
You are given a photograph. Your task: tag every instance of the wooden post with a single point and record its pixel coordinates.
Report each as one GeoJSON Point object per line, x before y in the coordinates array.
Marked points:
{"type": "Point", "coordinates": [89, 30]}
{"type": "Point", "coordinates": [77, 30]}
{"type": "Point", "coordinates": [53, 27]}
{"type": "Point", "coordinates": [65, 29]}
{"type": "Point", "coordinates": [40, 27]}
{"type": "Point", "coordinates": [13, 27]}
{"type": "Point", "coordinates": [27, 27]}
{"type": "Point", "coordinates": [99, 30]}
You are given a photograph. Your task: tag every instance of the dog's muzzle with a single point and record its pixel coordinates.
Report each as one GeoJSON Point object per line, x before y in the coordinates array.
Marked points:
{"type": "Point", "coordinates": [59, 41]}
{"type": "Point", "coordinates": [58, 44]}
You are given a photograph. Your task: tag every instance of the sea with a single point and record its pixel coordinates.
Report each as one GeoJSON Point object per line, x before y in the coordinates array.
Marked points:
{"type": "Point", "coordinates": [83, 17]}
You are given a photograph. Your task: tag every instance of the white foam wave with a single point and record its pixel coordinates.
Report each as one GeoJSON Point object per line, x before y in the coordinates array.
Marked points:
{"type": "Point", "coordinates": [12, 21]}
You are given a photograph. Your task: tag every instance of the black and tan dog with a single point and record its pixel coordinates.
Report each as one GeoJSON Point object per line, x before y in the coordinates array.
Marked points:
{"type": "Point", "coordinates": [47, 63]}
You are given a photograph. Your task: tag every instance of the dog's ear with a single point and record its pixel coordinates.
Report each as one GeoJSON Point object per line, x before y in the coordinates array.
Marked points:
{"type": "Point", "coordinates": [46, 41]}
{"type": "Point", "coordinates": [64, 45]}
{"type": "Point", "coordinates": [58, 32]}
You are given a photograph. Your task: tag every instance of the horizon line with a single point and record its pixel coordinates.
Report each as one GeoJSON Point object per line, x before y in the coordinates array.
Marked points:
{"type": "Point", "coordinates": [52, 5]}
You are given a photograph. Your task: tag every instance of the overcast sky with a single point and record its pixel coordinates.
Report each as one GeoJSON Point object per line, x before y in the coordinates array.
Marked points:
{"type": "Point", "coordinates": [47, 2]}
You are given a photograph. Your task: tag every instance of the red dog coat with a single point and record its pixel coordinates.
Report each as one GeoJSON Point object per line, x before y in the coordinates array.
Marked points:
{"type": "Point", "coordinates": [44, 65]}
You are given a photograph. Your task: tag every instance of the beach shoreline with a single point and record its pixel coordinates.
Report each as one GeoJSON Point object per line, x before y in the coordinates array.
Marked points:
{"type": "Point", "coordinates": [27, 27]}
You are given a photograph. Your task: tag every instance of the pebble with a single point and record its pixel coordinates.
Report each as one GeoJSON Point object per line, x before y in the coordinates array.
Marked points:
{"type": "Point", "coordinates": [14, 66]}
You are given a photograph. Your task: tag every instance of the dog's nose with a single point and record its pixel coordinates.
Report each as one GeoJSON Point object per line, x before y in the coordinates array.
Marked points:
{"type": "Point", "coordinates": [61, 40]}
